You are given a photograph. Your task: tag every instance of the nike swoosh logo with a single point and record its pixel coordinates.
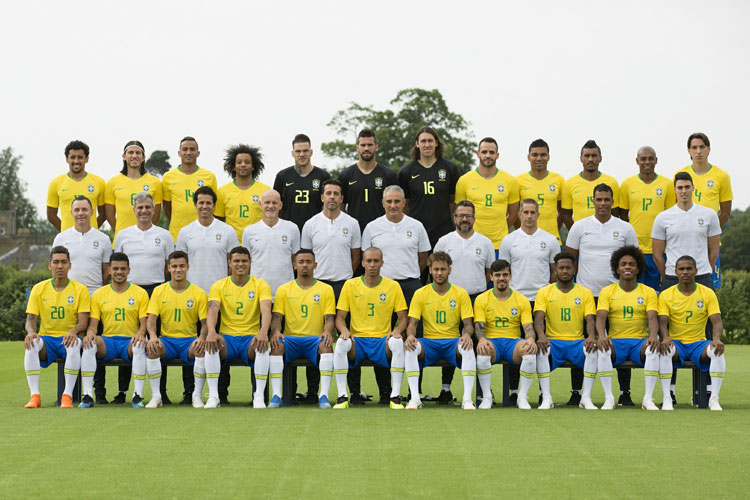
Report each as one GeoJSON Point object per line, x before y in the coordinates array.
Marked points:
{"type": "Point", "coordinates": [475, 188]}
{"type": "Point", "coordinates": [291, 298]}
{"type": "Point", "coordinates": [44, 300]}
{"type": "Point", "coordinates": [415, 176]}
{"type": "Point", "coordinates": [551, 301]}
{"type": "Point", "coordinates": [288, 183]}
{"type": "Point", "coordinates": [427, 303]}
{"type": "Point", "coordinates": [355, 296]}
{"type": "Point", "coordinates": [227, 295]}
{"type": "Point", "coordinates": [633, 192]}
{"type": "Point", "coordinates": [352, 182]}
{"type": "Point", "coordinates": [105, 302]}
{"type": "Point", "coordinates": [63, 189]}
{"type": "Point", "coordinates": [164, 301]}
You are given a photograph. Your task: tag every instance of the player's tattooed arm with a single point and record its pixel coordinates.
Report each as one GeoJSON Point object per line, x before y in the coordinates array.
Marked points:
{"type": "Point", "coordinates": [151, 326]}
{"type": "Point", "coordinates": [328, 325]}
{"type": "Point", "coordinates": [31, 334]}
{"type": "Point", "coordinates": [479, 329]}
{"type": "Point", "coordinates": [276, 323]}
{"type": "Point", "coordinates": [539, 329]}
{"type": "Point", "coordinates": [467, 334]}
{"type": "Point", "coordinates": [529, 341]}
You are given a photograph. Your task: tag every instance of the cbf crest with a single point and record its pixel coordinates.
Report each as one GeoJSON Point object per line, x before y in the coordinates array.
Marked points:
{"type": "Point", "coordinates": [641, 301]}
{"type": "Point", "coordinates": [382, 297]}
{"type": "Point", "coordinates": [378, 182]}
{"type": "Point", "coordinates": [500, 188]}
{"type": "Point", "coordinates": [218, 237]}
{"type": "Point", "coordinates": [542, 245]}
{"type": "Point", "coordinates": [200, 184]}
{"type": "Point", "coordinates": [70, 299]}
{"type": "Point", "coordinates": [316, 298]}
{"type": "Point", "coordinates": [710, 184]}
{"type": "Point", "coordinates": [552, 188]}
{"type": "Point", "coordinates": [96, 244]}
{"type": "Point", "coordinates": [145, 187]}
{"type": "Point", "coordinates": [255, 198]}
{"type": "Point", "coordinates": [659, 191]}
{"type": "Point", "coordinates": [91, 188]}
{"type": "Point", "coordinates": [577, 301]}
{"type": "Point", "coordinates": [442, 174]}
{"type": "Point", "coordinates": [316, 183]}
{"type": "Point", "coordinates": [409, 234]}
{"type": "Point", "coordinates": [514, 312]}
{"type": "Point", "coordinates": [700, 222]}
{"type": "Point", "coordinates": [190, 304]}
{"type": "Point", "coordinates": [699, 304]}
{"type": "Point", "coordinates": [284, 238]}
{"type": "Point", "coordinates": [615, 235]}
{"type": "Point", "coordinates": [251, 294]}
{"type": "Point", "coordinates": [345, 231]}
{"type": "Point", "coordinates": [157, 242]}
{"type": "Point", "coordinates": [478, 251]}
{"type": "Point", "coordinates": [452, 303]}
{"type": "Point", "coordinates": [131, 301]}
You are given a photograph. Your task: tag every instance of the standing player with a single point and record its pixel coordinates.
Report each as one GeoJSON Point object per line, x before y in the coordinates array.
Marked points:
{"type": "Point", "coordinates": [244, 302]}
{"type": "Point", "coordinates": [63, 306]}
{"type": "Point", "coordinates": [122, 188]}
{"type": "Point", "coordinates": [630, 308]}
{"type": "Point", "coordinates": [500, 314]}
{"type": "Point", "coordinates": [307, 307]}
{"type": "Point", "coordinates": [239, 200]}
{"type": "Point", "coordinates": [684, 310]}
{"type": "Point", "coordinates": [299, 185]}
{"type": "Point", "coordinates": [72, 185]}
{"type": "Point", "coordinates": [562, 312]}
{"type": "Point", "coordinates": [121, 307]}
{"type": "Point", "coordinates": [493, 192]}
{"type": "Point", "coordinates": [544, 187]}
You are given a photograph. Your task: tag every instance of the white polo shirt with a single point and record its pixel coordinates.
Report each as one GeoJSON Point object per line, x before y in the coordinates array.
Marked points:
{"type": "Point", "coordinates": [88, 251]}
{"type": "Point", "coordinates": [595, 243]}
{"type": "Point", "coordinates": [207, 249]}
{"type": "Point", "coordinates": [686, 233]}
{"type": "Point", "coordinates": [332, 242]}
{"type": "Point", "coordinates": [400, 243]}
{"type": "Point", "coordinates": [271, 249]}
{"type": "Point", "coordinates": [530, 256]}
{"type": "Point", "coordinates": [147, 251]}
{"type": "Point", "coordinates": [471, 256]}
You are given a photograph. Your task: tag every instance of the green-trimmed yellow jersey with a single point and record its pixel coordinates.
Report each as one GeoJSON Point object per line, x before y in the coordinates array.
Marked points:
{"type": "Point", "coordinates": [711, 188]}
{"type": "Point", "coordinates": [502, 318]}
{"type": "Point", "coordinates": [371, 309]}
{"type": "Point", "coordinates": [179, 312]}
{"type": "Point", "coordinates": [63, 190]}
{"type": "Point", "coordinates": [644, 202]}
{"type": "Point", "coordinates": [627, 311]}
{"type": "Point", "coordinates": [688, 313]}
{"type": "Point", "coordinates": [578, 194]}
{"type": "Point", "coordinates": [120, 192]}
{"type": "Point", "coordinates": [178, 188]}
{"type": "Point", "coordinates": [547, 192]}
{"type": "Point", "coordinates": [58, 311]}
{"type": "Point", "coordinates": [441, 315]}
{"type": "Point", "coordinates": [240, 305]}
{"type": "Point", "coordinates": [120, 313]}
{"type": "Point", "coordinates": [304, 310]}
{"type": "Point", "coordinates": [240, 207]}
{"type": "Point", "coordinates": [564, 312]}
{"type": "Point", "coordinates": [491, 198]}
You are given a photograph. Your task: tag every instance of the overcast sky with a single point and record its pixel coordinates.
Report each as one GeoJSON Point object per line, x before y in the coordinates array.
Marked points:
{"type": "Point", "coordinates": [626, 74]}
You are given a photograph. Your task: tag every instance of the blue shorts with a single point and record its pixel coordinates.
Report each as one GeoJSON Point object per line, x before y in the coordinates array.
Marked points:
{"type": "Point", "coordinates": [301, 347]}
{"type": "Point", "coordinates": [716, 271]}
{"type": "Point", "coordinates": [437, 349]}
{"type": "Point", "coordinates": [237, 346]}
{"type": "Point", "coordinates": [504, 349]}
{"type": "Point", "coordinates": [117, 348]}
{"type": "Point", "coordinates": [55, 350]}
{"type": "Point", "coordinates": [628, 350]}
{"type": "Point", "coordinates": [177, 348]}
{"type": "Point", "coordinates": [691, 351]}
{"type": "Point", "coordinates": [372, 348]}
{"type": "Point", "coordinates": [566, 350]}
{"type": "Point", "coordinates": [651, 277]}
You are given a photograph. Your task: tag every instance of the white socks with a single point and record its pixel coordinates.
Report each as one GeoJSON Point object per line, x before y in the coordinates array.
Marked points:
{"type": "Point", "coordinates": [397, 365]}
{"type": "Point", "coordinates": [139, 370]}
{"type": "Point", "coordinates": [32, 366]}
{"type": "Point", "coordinates": [326, 372]}
{"type": "Point", "coordinates": [262, 362]}
{"type": "Point", "coordinates": [542, 371]}
{"type": "Point", "coordinates": [650, 373]}
{"type": "Point", "coordinates": [411, 365]}
{"type": "Point", "coordinates": [484, 374]}
{"type": "Point", "coordinates": [716, 369]}
{"type": "Point", "coordinates": [212, 368]}
{"type": "Point", "coordinates": [341, 364]}
{"type": "Point", "coordinates": [153, 367]}
{"type": "Point", "coordinates": [88, 368]}
{"type": "Point", "coordinates": [589, 372]}
{"type": "Point", "coordinates": [604, 367]}
{"type": "Point", "coordinates": [468, 370]}
{"type": "Point", "coordinates": [665, 373]}
{"type": "Point", "coordinates": [276, 366]}
{"type": "Point", "coordinates": [528, 368]}
{"type": "Point", "coordinates": [72, 366]}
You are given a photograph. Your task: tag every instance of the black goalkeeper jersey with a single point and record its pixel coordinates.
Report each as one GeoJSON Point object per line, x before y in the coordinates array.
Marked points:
{"type": "Point", "coordinates": [300, 195]}
{"type": "Point", "coordinates": [363, 193]}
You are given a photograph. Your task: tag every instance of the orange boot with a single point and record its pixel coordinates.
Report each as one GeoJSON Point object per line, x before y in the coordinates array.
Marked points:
{"type": "Point", "coordinates": [34, 402]}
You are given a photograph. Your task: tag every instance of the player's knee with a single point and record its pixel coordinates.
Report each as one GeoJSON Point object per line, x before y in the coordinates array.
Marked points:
{"type": "Point", "coordinates": [395, 345]}
{"type": "Point", "coordinates": [343, 346]}
{"type": "Point", "coordinates": [323, 349]}
{"type": "Point", "coordinates": [485, 349]}
{"type": "Point", "coordinates": [278, 351]}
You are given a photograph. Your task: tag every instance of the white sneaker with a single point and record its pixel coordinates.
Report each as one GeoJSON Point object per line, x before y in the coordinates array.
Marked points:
{"type": "Point", "coordinates": [486, 403]}
{"type": "Point", "coordinates": [648, 404]}
{"type": "Point", "coordinates": [414, 404]}
{"type": "Point", "coordinates": [547, 404]}
{"type": "Point", "coordinates": [154, 403]}
{"type": "Point", "coordinates": [523, 403]}
{"type": "Point", "coordinates": [212, 402]}
{"type": "Point", "coordinates": [468, 404]}
{"type": "Point", "coordinates": [609, 404]}
{"type": "Point", "coordinates": [587, 404]}
{"type": "Point", "coordinates": [667, 404]}
{"type": "Point", "coordinates": [713, 405]}
{"type": "Point", "coordinates": [258, 403]}
{"type": "Point", "coordinates": [197, 401]}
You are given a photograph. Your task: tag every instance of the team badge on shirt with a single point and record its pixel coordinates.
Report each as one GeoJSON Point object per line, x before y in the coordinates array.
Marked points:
{"type": "Point", "coordinates": [218, 237]}
{"type": "Point", "coordinates": [577, 301]}
{"type": "Point", "coordinates": [542, 245]}
{"type": "Point", "coordinates": [710, 184]}
{"type": "Point", "coordinates": [378, 182]}
{"type": "Point", "coordinates": [316, 183]}
{"type": "Point", "coordinates": [145, 187]}
{"type": "Point", "coordinates": [200, 183]}
{"type": "Point", "coordinates": [659, 191]}
{"type": "Point", "coordinates": [382, 297]}
{"type": "Point", "coordinates": [157, 242]}
{"type": "Point", "coordinates": [190, 304]}
{"type": "Point", "coordinates": [251, 294]}
{"type": "Point", "coordinates": [501, 188]}
{"type": "Point", "coordinates": [91, 188]}
{"type": "Point", "coordinates": [345, 231]}
{"type": "Point", "coordinates": [699, 304]}
{"type": "Point", "coordinates": [442, 174]}
{"type": "Point", "coordinates": [409, 234]}
{"type": "Point", "coordinates": [255, 198]}
{"type": "Point", "coordinates": [71, 299]}
{"type": "Point", "coordinates": [131, 301]}
{"type": "Point", "coordinates": [452, 303]}
{"type": "Point", "coordinates": [552, 188]}
{"type": "Point", "coordinates": [284, 238]}
{"type": "Point", "coordinates": [478, 251]}
{"type": "Point", "coordinates": [316, 297]}
{"type": "Point", "coordinates": [96, 243]}
{"type": "Point", "coordinates": [700, 222]}
{"type": "Point", "coordinates": [640, 301]}
{"type": "Point", "coordinates": [615, 234]}
{"type": "Point", "coordinates": [514, 312]}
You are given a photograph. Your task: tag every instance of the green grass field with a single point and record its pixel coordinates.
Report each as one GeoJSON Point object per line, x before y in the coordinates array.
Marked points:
{"type": "Point", "coordinates": [372, 451]}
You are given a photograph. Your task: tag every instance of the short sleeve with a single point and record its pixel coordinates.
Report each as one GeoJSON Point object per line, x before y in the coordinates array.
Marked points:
{"type": "Point", "coordinates": [182, 239]}
{"type": "Point", "coordinates": [480, 308]}
{"type": "Point", "coordinates": [33, 306]}
{"type": "Point", "coordinates": [567, 197]}
{"type": "Point", "coordinates": [84, 301]}
{"type": "Point", "coordinates": [713, 303]}
{"type": "Point", "coordinates": [366, 242]}
{"type": "Point", "coordinates": [344, 297]}
{"type": "Point", "coordinates": [460, 189]}
{"type": "Point", "coordinates": [53, 200]}
{"type": "Point", "coordinates": [630, 237]}
{"type": "Point", "coordinates": [624, 197]}
{"type": "Point", "coordinates": [514, 196]}
{"type": "Point", "coordinates": [725, 190]}
{"type": "Point", "coordinates": [415, 308]}
{"type": "Point", "coordinates": [663, 304]}
{"type": "Point", "coordinates": [424, 239]}
{"type": "Point", "coordinates": [202, 305]}
{"type": "Point", "coordinates": [356, 235]}
{"type": "Point", "coordinates": [295, 238]}
{"type": "Point", "coordinates": [588, 304]}
{"type": "Point", "coordinates": [526, 316]}
{"type": "Point", "coordinates": [109, 192]}
{"type": "Point", "coordinates": [603, 304]}
{"type": "Point", "coordinates": [658, 230]}
{"type": "Point", "coordinates": [540, 304]}
{"type": "Point", "coordinates": [95, 312]}
{"type": "Point", "coordinates": [153, 303]}
{"type": "Point", "coordinates": [652, 302]}
{"type": "Point", "coordinates": [329, 301]}
{"type": "Point", "coordinates": [214, 293]}
{"type": "Point", "coordinates": [264, 291]}
{"type": "Point", "coordinates": [166, 194]}
{"type": "Point", "coordinates": [574, 235]}
{"type": "Point", "coordinates": [143, 304]}
{"type": "Point", "coordinates": [400, 304]}
{"type": "Point", "coordinates": [306, 237]}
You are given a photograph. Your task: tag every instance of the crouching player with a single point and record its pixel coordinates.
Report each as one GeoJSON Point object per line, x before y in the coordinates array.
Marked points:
{"type": "Point", "coordinates": [560, 312]}
{"type": "Point", "coordinates": [684, 310]}
{"type": "Point", "coordinates": [442, 307]}
{"type": "Point", "coordinates": [245, 305]}
{"type": "Point", "coordinates": [122, 308]}
{"type": "Point", "coordinates": [633, 334]}
{"type": "Point", "coordinates": [499, 315]}
{"type": "Point", "coordinates": [308, 308]}
{"type": "Point", "coordinates": [371, 301]}
{"type": "Point", "coordinates": [180, 305]}
{"type": "Point", "coordinates": [63, 306]}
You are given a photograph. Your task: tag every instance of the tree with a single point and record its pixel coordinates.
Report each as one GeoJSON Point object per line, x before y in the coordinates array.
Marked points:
{"type": "Point", "coordinates": [13, 190]}
{"type": "Point", "coordinates": [158, 163]}
{"type": "Point", "coordinates": [735, 240]}
{"type": "Point", "coordinates": [395, 129]}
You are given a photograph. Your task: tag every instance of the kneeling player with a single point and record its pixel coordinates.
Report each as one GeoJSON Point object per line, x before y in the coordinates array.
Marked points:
{"type": "Point", "coordinates": [442, 307]}
{"type": "Point", "coordinates": [370, 300]}
{"type": "Point", "coordinates": [308, 308]}
{"type": "Point", "coordinates": [560, 311]}
{"type": "Point", "coordinates": [245, 305]}
{"type": "Point", "coordinates": [181, 305]}
{"type": "Point", "coordinates": [122, 308]}
{"type": "Point", "coordinates": [63, 306]}
{"type": "Point", "coordinates": [630, 307]}
{"type": "Point", "coordinates": [499, 315]}
{"type": "Point", "coordinates": [684, 310]}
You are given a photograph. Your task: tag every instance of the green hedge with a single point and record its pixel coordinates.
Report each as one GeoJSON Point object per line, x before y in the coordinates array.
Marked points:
{"type": "Point", "coordinates": [734, 300]}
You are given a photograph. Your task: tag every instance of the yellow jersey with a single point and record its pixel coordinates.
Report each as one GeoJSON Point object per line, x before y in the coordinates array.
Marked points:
{"type": "Point", "coordinates": [63, 190]}
{"type": "Point", "coordinates": [304, 310]}
{"type": "Point", "coordinates": [688, 313]}
{"type": "Point", "coordinates": [441, 315]}
{"type": "Point", "coordinates": [627, 311]}
{"type": "Point", "coordinates": [491, 198]}
{"type": "Point", "coordinates": [578, 194]}
{"type": "Point", "coordinates": [711, 188]}
{"type": "Point", "coordinates": [240, 207]}
{"type": "Point", "coordinates": [120, 192]}
{"type": "Point", "coordinates": [120, 313]}
{"type": "Point", "coordinates": [178, 188]}
{"type": "Point", "coordinates": [502, 318]}
{"type": "Point", "coordinates": [58, 311]}
{"type": "Point", "coordinates": [179, 312]}
{"type": "Point", "coordinates": [371, 309]}
{"type": "Point", "coordinates": [547, 192]}
{"type": "Point", "coordinates": [564, 312]}
{"type": "Point", "coordinates": [644, 202]}
{"type": "Point", "coordinates": [240, 305]}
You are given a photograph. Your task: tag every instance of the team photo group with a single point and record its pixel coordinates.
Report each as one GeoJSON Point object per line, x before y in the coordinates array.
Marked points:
{"type": "Point", "coordinates": [395, 270]}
